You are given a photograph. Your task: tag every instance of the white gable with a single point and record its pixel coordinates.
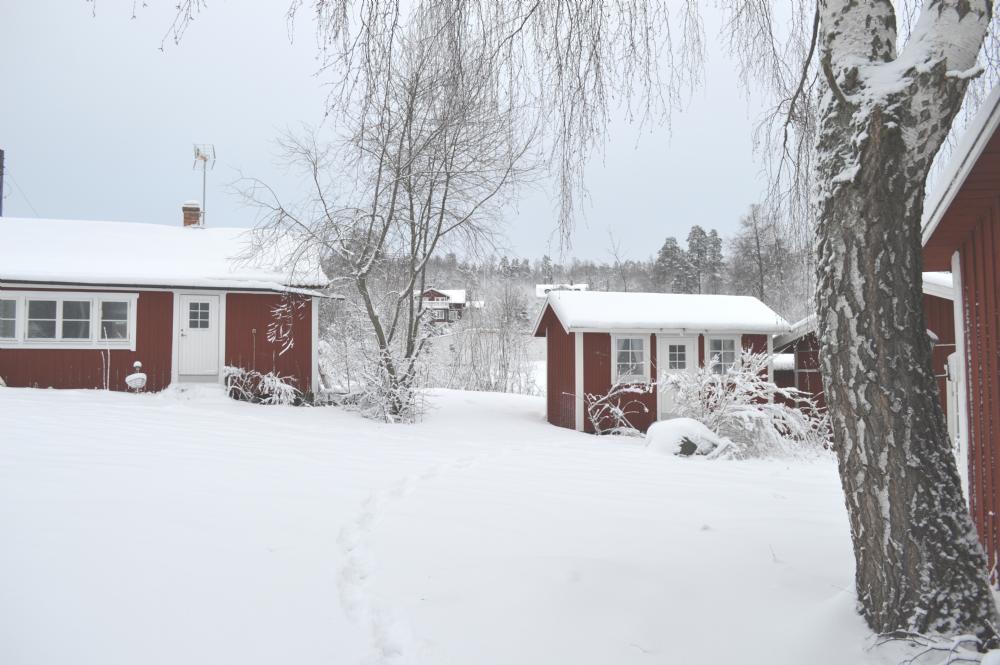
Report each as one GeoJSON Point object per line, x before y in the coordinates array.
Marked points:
{"type": "Point", "coordinates": [599, 310]}
{"type": "Point", "coordinates": [132, 254]}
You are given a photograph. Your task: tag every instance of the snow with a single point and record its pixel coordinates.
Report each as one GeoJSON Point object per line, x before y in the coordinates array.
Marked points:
{"type": "Point", "coordinates": [949, 181]}
{"type": "Point", "coordinates": [542, 290]}
{"type": "Point", "coordinates": [185, 527]}
{"type": "Point", "coordinates": [939, 284]}
{"type": "Point", "coordinates": [64, 251]}
{"type": "Point", "coordinates": [601, 310]}
{"type": "Point", "coordinates": [666, 436]}
{"type": "Point", "coordinates": [783, 361]}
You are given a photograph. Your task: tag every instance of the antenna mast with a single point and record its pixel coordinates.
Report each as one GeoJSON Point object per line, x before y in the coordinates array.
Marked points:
{"type": "Point", "coordinates": [204, 153]}
{"type": "Point", "coordinates": [1, 182]}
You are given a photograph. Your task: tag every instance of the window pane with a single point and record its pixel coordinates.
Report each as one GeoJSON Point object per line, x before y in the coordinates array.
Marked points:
{"type": "Point", "coordinates": [114, 330]}
{"type": "Point", "coordinates": [76, 309]}
{"type": "Point", "coordinates": [42, 309]}
{"type": "Point", "coordinates": [76, 329]}
{"type": "Point", "coordinates": [676, 356]}
{"type": "Point", "coordinates": [8, 309]}
{"type": "Point", "coordinates": [41, 329]}
{"type": "Point", "coordinates": [7, 328]}
{"type": "Point", "coordinates": [114, 311]}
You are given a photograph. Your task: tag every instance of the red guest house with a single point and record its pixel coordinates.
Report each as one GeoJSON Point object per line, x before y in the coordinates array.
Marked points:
{"type": "Point", "coordinates": [81, 301]}
{"type": "Point", "coordinates": [595, 340]}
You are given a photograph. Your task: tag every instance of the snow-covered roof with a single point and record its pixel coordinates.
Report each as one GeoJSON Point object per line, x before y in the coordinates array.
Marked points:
{"type": "Point", "coordinates": [542, 290]}
{"type": "Point", "coordinates": [783, 361]}
{"type": "Point", "coordinates": [939, 284]}
{"type": "Point", "coordinates": [63, 251]}
{"type": "Point", "coordinates": [454, 296]}
{"type": "Point", "coordinates": [601, 310]}
{"type": "Point", "coordinates": [964, 157]}
{"type": "Point", "coordinates": [935, 283]}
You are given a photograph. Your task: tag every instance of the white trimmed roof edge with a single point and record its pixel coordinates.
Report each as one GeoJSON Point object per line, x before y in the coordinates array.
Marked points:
{"type": "Point", "coordinates": [967, 152]}
{"type": "Point", "coordinates": [655, 312]}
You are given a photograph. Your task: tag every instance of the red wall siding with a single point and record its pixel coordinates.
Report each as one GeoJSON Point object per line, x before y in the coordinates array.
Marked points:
{"type": "Point", "coordinates": [940, 316]}
{"type": "Point", "coordinates": [597, 359]}
{"type": "Point", "coordinates": [982, 331]}
{"type": "Point", "coordinates": [248, 316]}
{"type": "Point", "coordinates": [754, 343]}
{"type": "Point", "coordinates": [84, 368]}
{"type": "Point", "coordinates": [560, 372]}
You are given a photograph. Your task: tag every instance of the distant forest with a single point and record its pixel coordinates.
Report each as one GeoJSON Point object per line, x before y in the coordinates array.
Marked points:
{"type": "Point", "coordinates": [758, 260]}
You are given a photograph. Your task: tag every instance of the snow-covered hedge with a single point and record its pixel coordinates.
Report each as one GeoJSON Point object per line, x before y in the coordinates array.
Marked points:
{"type": "Point", "coordinates": [252, 386]}
{"type": "Point", "coordinates": [757, 416]}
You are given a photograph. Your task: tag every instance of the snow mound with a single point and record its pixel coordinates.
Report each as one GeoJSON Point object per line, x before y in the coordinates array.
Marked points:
{"type": "Point", "coordinates": [684, 436]}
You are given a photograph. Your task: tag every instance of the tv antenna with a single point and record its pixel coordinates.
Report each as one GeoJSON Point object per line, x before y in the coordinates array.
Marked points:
{"type": "Point", "coordinates": [204, 153]}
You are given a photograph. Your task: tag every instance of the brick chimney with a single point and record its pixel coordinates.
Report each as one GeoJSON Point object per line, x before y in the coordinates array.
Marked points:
{"type": "Point", "coordinates": [192, 213]}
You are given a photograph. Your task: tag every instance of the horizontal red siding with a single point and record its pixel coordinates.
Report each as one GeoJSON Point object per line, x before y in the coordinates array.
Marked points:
{"type": "Point", "coordinates": [248, 318]}
{"type": "Point", "coordinates": [85, 368]}
{"type": "Point", "coordinates": [560, 372]}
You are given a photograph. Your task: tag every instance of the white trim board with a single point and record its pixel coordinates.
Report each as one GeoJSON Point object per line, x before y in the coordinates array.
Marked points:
{"type": "Point", "coordinates": [94, 342]}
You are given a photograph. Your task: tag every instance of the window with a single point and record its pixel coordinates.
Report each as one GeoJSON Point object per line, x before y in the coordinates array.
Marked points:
{"type": "Point", "coordinates": [722, 354]}
{"type": "Point", "coordinates": [438, 314]}
{"type": "Point", "coordinates": [76, 319]}
{"type": "Point", "coordinates": [452, 315]}
{"type": "Point", "coordinates": [8, 319]}
{"type": "Point", "coordinates": [198, 315]}
{"type": "Point", "coordinates": [67, 319]}
{"type": "Point", "coordinates": [676, 356]}
{"type": "Point", "coordinates": [630, 360]}
{"type": "Point", "coordinates": [42, 319]}
{"type": "Point", "coordinates": [114, 320]}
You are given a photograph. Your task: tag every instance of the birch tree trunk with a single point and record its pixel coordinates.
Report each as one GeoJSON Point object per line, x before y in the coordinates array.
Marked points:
{"type": "Point", "coordinates": [920, 567]}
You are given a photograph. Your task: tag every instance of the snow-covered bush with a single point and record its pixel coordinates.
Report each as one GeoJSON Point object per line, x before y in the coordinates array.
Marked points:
{"type": "Point", "coordinates": [252, 386]}
{"type": "Point", "coordinates": [611, 412]}
{"type": "Point", "coordinates": [684, 436]}
{"type": "Point", "coordinates": [741, 405]}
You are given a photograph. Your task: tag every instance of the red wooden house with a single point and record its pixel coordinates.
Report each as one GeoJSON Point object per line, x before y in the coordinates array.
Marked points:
{"type": "Point", "coordinates": [595, 340]}
{"type": "Point", "coordinates": [802, 344]}
{"type": "Point", "coordinates": [81, 301]}
{"type": "Point", "coordinates": [444, 305]}
{"type": "Point", "coordinates": [962, 234]}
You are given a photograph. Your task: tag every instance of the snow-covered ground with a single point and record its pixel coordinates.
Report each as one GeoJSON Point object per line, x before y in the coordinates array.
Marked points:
{"type": "Point", "coordinates": [187, 528]}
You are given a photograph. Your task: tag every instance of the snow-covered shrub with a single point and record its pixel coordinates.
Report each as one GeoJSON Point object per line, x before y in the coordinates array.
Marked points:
{"type": "Point", "coordinates": [252, 386]}
{"type": "Point", "coordinates": [741, 405]}
{"type": "Point", "coordinates": [390, 392]}
{"type": "Point", "coordinates": [684, 436]}
{"type": "Point", "coordinates": [611, 412]}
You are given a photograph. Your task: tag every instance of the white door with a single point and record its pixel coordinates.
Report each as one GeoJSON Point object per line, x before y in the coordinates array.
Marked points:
{"type": "Point", "coordinates": [198, 345]}
{"type": "Point", "coordinates": [673, 355]}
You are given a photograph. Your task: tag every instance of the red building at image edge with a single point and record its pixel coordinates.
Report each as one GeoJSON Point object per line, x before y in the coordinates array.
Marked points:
{"type": "Point", "coordinates": [81, 301]}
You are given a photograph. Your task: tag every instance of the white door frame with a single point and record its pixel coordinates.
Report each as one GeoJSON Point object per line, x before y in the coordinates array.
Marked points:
{"type": "Point", "coordinates": [176, 332]}
{"type": "Point", "coordinates": [661, 359]}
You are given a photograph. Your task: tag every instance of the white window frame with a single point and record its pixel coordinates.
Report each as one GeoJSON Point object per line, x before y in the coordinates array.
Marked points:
{"type": "Point", "coordinates": [645, 358]}
{"type": "Point", "coordinates": [95, 298]}
{"type": "Point", "coordinates": [17, 314]}
{"type": "Point", "coordinates": [438, 314]}
{"type": "Point", "coordinates": [737, 349]}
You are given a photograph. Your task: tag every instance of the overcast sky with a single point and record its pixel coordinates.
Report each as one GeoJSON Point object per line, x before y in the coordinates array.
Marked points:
{"type": "Point", "coordinates": [98, 123]}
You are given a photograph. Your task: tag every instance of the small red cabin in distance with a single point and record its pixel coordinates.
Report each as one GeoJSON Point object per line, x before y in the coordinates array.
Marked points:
{"type": "Point", "coordinates": [596, 339]}
{"type": "Point", "coordinates": [81, 301]}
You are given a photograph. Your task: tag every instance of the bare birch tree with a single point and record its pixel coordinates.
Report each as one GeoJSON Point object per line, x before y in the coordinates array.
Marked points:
{"type": "Point", "coordinates": [857, 122]}
{"type": "Point", "coordinates": [431, 154]}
